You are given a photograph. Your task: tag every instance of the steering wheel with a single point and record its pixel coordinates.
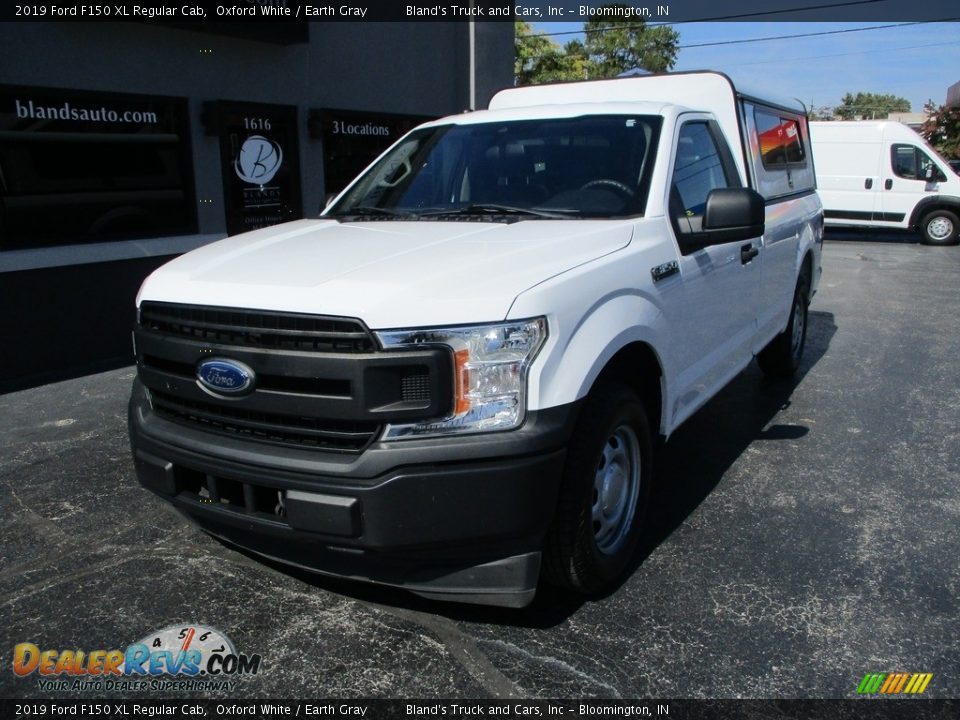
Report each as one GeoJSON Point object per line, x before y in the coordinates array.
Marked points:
{"type": "Point", "coordinates": [609, 184]}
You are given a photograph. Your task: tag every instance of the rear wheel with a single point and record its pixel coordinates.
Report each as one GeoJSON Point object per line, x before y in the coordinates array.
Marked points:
{"type": "Point", "coordinates": [604, 494]}
{"type": "Point", "coordinates": [781, 357]}
{"type": "Point", "coordinates": [940, 227]}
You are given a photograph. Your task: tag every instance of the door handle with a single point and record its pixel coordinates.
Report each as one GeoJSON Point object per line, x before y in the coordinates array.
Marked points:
{"type": "Point", "coordinates": [868, 183]}
{"type": "Point", "coordinates": [748, 253]}
{"type": "Point", "coordinates": [888, 184]}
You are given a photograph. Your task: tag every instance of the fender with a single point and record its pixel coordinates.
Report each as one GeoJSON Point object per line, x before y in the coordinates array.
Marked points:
{"type": "Point", "coordinates": [810, 238]}
{"type": "Point", "coordinates": [928, 203]}
{"type": "Point", "coordinates": [574, 362]}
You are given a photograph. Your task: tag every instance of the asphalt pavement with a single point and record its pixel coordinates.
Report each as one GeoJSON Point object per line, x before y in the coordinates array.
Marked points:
{"type": "Point", "coordinates": [800, 536]}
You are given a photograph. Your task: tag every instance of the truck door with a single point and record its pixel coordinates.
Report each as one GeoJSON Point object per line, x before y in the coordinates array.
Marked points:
{"type": "Point", "coordinates": [905, 183]}
{"type": "Point", "coordinates": [716, 321]}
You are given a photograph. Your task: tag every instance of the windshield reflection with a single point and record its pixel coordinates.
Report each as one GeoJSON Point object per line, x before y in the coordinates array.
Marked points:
{"type": "Point", "coordinates": [595, 166]}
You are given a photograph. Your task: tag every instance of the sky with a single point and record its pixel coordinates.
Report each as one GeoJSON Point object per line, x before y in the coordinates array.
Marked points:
{"type": "Point", "coordinates": [917, 62]}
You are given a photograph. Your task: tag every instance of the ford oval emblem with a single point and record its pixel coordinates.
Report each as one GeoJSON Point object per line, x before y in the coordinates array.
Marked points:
{"type": "Point", "coordinates": [225, 377]}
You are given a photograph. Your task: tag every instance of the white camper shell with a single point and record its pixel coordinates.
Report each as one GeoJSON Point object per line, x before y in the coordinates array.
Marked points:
{"type": "Point", "coordinates": [882, 174]}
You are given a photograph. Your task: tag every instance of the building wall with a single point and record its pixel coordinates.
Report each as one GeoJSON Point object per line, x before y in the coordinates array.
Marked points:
{"type": "Point", "coordinates": [953, 95]}
{"type": "Point", "coordinates": [911, 119]}
{"type": "Point", "coordinates": [418, 69]}
{"type": "Point", "coordinates": [379, 67]}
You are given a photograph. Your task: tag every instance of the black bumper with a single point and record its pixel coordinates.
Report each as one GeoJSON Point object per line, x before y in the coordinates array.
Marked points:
{"type": "Point", "coordinates": [453, 518]}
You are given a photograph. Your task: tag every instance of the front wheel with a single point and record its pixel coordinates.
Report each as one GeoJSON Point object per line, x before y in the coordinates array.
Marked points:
{"type": "Point", "coordinates": [940, 227]}
{"type": "Point", "coordinates": [781, 357]}
{"type": "Point", "coordinates": [604, 494]}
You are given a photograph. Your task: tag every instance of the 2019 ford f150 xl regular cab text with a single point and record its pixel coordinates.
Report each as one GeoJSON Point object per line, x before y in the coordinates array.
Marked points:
{"type": "Point", "coordinates": [451, 381]}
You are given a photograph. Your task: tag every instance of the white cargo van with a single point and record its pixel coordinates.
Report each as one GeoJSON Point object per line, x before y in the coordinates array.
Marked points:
{"type": "Point", "coordinates": [882, 174]}
{"type": "Point", "coordinates": [454, 377]}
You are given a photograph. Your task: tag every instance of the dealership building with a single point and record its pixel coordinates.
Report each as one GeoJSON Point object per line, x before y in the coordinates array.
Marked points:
{"type": "Point", "coordinates": [123, 145]}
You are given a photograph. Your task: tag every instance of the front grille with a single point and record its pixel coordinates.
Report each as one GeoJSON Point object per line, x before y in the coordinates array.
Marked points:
{"type": "Point", "coordinates": [229, 494]}
{"type": "Point", "coordinates": [415, 387]}
{"type": "Point", "coordinates": [320, 382]}
{"type": "Point", "coordinates": [305, 432]}
{"type": "Point", "coordinates": [257, 328]}
{"type": "Point", "coordinates": [278, 383]}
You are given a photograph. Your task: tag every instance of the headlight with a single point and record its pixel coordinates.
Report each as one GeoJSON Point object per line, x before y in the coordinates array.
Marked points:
{"type": "Point", "coordinates": [489, 378]}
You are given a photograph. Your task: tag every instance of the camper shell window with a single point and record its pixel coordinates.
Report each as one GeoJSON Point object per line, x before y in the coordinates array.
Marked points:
{"type": "Point", "coordinates": [780, 140]}
{"type": "Point", "coordinates": [779, 149]}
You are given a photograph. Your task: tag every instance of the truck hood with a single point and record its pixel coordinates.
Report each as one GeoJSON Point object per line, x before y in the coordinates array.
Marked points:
{"type": "Point", "coordinates": [390, 274]}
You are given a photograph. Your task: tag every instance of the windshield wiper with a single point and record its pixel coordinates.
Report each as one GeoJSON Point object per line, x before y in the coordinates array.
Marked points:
{"type": "Point", "coordinates": [371, 210]}
{"type": "Point", "coordinates": [495, 209]}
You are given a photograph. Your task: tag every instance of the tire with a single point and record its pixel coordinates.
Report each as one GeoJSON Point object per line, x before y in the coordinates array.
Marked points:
{"type": "Point", "coordinates": [781, 357]}
{"type": "Point", "coordinates": [603, 495]}
{"type": "Point", "coordinates": [940, 227]}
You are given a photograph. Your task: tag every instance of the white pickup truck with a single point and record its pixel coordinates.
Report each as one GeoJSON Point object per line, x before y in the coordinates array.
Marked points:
{"type": "Point", "coordinates": [451, 381]}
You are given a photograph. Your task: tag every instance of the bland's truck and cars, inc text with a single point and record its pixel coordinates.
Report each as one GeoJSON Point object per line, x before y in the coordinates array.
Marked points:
{"type": "Point", "coordinates": [453, 380]}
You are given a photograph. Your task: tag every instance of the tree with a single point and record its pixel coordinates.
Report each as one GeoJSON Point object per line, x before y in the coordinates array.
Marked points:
{"type": "Point", "coordinates": [560, 64]}
{"type": "Point", "coordinates": [532, 53]}
{"type": "Point", "coordinates": [614, 45]}
{"type": "Point", "coordinates": [611, 46]}
{"type": "Point", "coordinates": [870, 106]}
{"type": "Point", "coordinates": [821, 112]}
{"type": "Point", "coordinates": [942, 128]}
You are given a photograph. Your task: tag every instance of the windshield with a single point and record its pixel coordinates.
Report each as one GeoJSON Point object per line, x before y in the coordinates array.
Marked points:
{"type": "Point", "coordinates": [591, 166]}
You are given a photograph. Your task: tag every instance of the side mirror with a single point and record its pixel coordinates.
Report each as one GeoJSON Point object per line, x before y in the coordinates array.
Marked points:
{"type": "Point", "coordinates": [933, 174]}
{"type": "Point", "coordinates": [732, 214]}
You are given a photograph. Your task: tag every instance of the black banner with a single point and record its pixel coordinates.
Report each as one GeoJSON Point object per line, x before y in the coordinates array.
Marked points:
{"type": "Point", "coordinates": [916, 709]}
{"type": "Point", "coordinates": [578, 11]}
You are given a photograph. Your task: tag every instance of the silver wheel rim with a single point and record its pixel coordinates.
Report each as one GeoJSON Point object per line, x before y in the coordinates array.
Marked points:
{"type": "Point", "coordinates": [616, 488]}
{"type": "Point", "coordinates": [940, 228]}
{"type": "Point", "coordinates": [799, 323]}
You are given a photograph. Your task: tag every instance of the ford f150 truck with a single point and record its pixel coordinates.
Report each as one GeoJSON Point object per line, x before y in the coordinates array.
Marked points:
{"type": "Point", "coordinates": [452, 380]}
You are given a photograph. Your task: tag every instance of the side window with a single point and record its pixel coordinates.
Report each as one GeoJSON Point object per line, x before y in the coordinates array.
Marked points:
{"type": "Point", "coordinates": [904, 159]}
{"type": "Point", "coordinates": [780, 151]}
{"type": "Point", "coordinates": [700, 166]}
{"type": "Point", "coordinates": [780, 142]}
{"type": "Point", "coordinates": [912, 163]}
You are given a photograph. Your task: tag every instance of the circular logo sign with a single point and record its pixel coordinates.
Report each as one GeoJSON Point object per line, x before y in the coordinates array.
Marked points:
{"type": "Point", "coordinates": [258, 161]}
{"type": "Point", "coordinates": [225, 377]}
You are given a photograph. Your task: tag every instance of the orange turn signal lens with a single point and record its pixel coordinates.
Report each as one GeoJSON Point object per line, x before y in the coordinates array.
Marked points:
{"type": "Point", "coordinates": [461, 382]}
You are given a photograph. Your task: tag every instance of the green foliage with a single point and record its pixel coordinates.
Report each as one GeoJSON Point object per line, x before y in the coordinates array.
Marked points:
{"type": "Point", "coordinates": [615, 45]}
{"type": "Point", "coordinates": [942, 129]}
{"type": "Point", "coordinates": [611, 47]}
{"type": "Point", "coordinates": [533, 53]}
{"type": "Point", "coordinates": [821, 112]}
{"type": "Point", "coordinates": [870, 106]}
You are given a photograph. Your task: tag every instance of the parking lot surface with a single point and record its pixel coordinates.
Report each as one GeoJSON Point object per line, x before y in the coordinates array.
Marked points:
{"type": "Point", "coordinates": [800, 536]}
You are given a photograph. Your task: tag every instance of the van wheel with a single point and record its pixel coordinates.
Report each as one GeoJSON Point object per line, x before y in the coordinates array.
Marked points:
{"type": "Point", "coordinates": [604, 492]}
{"type": "Point", "coordinates": [781, 357]}
{"type": "Point", "coordinates": [940, 227]}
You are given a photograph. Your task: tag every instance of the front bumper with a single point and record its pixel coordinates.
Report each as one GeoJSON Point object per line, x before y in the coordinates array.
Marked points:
{"type": "Point", "coordinates": [459, 518]}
